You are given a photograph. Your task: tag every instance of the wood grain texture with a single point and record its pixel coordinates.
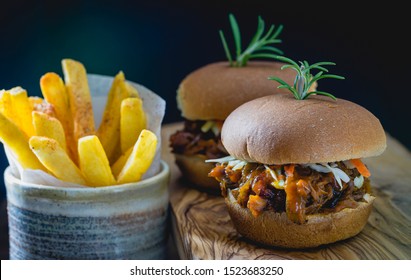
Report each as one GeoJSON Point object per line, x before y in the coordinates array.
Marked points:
{"type": "Point", "coordinates": [203, 230]}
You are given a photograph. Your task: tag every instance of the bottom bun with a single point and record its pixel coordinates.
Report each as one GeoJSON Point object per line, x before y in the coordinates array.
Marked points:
{"type": "Point", "coordinates": [195, 170]}
{"type": "Point", "coordinates": [275, 229]}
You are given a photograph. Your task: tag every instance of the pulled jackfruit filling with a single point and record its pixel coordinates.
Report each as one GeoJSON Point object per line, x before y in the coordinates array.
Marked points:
{"type": "Point", "coordinates": [297, 189]}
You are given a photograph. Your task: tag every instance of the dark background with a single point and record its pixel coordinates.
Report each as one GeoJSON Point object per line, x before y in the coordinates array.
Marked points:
{"type": "Point", "coordinates": [157, 43]}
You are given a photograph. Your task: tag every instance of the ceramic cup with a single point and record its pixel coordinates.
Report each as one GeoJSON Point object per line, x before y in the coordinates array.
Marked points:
{"type": "Point", "coordinates": [117, 222]}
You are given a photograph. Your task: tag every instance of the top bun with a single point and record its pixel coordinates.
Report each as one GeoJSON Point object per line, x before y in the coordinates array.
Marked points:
{"type": "Point", "coordinates": [278, 129]}
{"type": "Point", "coordinates": [213, 91]}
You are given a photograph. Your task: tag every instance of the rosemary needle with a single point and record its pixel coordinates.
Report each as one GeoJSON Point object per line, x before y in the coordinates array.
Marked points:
{"type": "Point", "coordinates": [260, 45]}
{"type": "Point", "coordinates": [304, 79]}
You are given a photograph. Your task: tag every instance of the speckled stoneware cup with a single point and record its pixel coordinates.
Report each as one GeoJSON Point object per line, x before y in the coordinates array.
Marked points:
{"type": "Point", "coordinates": [117, 222]}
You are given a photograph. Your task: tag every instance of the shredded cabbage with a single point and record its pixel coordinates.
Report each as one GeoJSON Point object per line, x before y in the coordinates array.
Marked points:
{"type": "Point", "coordinates": [318, 168]}
{"type": "Point", "coordinates": [359, 181]}
{"type": "Point", "coordinates": [272, 172]}
{"type": "Point", "coordinates": [210, 125]}
{"type": "Point", "coordinates": [231, 161]}
{"type": "Point", "coordinates": [207, 126]}
{"type": "Point", "coordinates": [339, 175]}
{"type": "Point", "coordinates": [215, 129]}
{"type": "Point", "coordinates": [367, 197]}
{"type": "Point", "coordinates": [221, 160]}
{"type": "Point", "coordinates": [238, 164]}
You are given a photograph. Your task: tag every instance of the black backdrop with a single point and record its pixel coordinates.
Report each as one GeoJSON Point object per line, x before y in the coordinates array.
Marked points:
{"type": "Point", "coordinates": [156, 43]}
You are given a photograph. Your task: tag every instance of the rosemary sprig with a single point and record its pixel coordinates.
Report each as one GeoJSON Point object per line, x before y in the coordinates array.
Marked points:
{"type": "Point", "coordinates": [304, 79]}
{"type": "Point", "coordinates": [259, 46]}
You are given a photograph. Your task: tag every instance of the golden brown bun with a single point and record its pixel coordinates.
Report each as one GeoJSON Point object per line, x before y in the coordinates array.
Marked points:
{"type": "Point", "coordinates": [195, 170]}
{"type": "Point", "coordinates": [278, 129]}
{"type": "Point", "coordinates": [275, 229]}
{"type": "Point", "coordinates": [213, 91]}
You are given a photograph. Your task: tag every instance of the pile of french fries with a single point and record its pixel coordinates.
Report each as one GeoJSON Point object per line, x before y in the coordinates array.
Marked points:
{"type": "Point", "coordinates": [57, 133]}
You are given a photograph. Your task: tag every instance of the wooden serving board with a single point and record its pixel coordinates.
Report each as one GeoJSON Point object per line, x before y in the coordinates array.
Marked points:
{"type": "Point", "coordinates": [202, 228]}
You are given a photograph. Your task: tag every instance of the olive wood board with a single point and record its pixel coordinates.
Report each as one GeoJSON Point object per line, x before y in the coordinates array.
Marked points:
{"type": "Point", "coordinates": [202, 228]}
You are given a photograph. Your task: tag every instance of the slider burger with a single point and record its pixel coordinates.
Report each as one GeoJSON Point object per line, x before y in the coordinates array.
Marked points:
{"type": "Point", "coordinates": [295, 176]}
{"type": "Point", "coordinates": [209, 94]}
{"type": "Point", "coordinates": [206, 97]}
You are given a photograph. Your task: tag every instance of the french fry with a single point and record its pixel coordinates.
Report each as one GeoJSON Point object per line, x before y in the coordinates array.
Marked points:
{"type": "Point", "coordinates": [75, 77]}
{"type": "Point", "coordinates": [16, 140]}
{"type": "Point", "coordinates": [94, 163]}
{"type": "Point", "coordinates": [132, 121]}
{"type": "Point", "coordinates": [22, 108]}
{"type": "Point", "coordinates": [140, 159]}
{"type": "Point", "coordinates": [132, 91]}
{"type": "Point", "coordinates": [109, 130]}
{"type": "Point", "coordinates": [35, 101]}
{"type": "Point", "coordinates": [120, 162]}
{"type": "Point", "coordinates": [50, 127]}
{"type": "Point", "coordinates": [6, 108]}
{"type": "Point", "coordinates": [1, 94]}
{"type": "Point", "coordinates": [43, 107]}
{"type": "Point", "coordinates": [56, 160]}
{"type": "Point", "coordinates": [55, 92]}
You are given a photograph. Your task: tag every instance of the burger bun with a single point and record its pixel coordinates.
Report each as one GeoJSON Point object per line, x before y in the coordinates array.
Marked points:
{"type": "Point", "coordinates": [279, 129]}
{"type": "Point", "coordinates": [275, 229]}
{"type": "Point", "coordinates": [213, 91]}
{"type": "Point", "coordinates": [195, 170]}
